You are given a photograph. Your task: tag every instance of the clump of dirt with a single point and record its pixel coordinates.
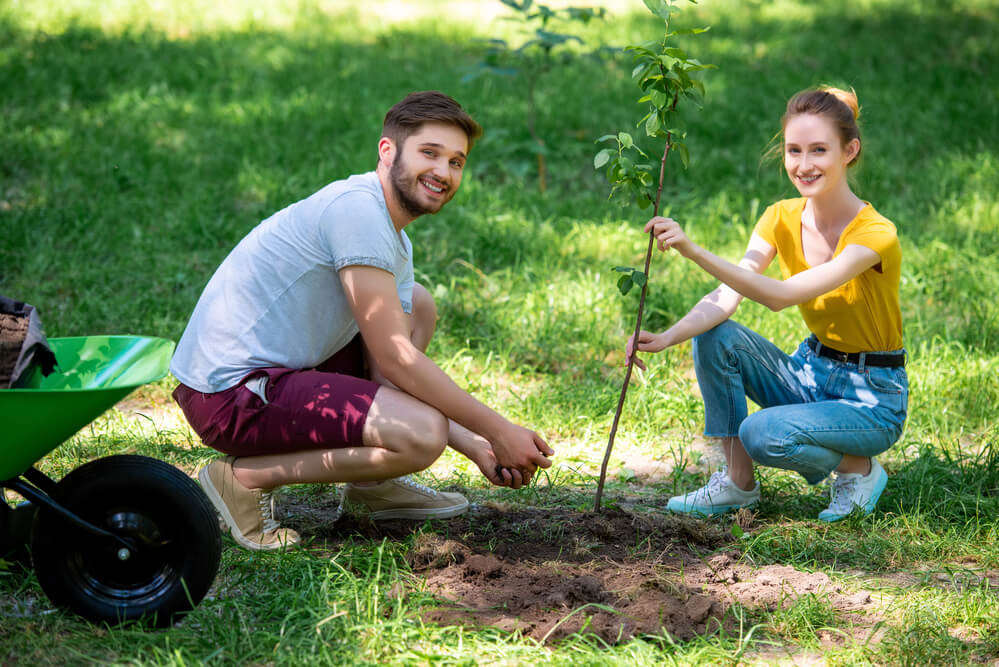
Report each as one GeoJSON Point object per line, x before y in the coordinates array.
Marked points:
{"type": "Point", "coordinates": [552, 572]}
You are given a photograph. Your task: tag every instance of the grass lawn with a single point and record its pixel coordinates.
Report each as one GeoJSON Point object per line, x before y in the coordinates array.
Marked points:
{"type": "Point", "coordinates": [139, 141]}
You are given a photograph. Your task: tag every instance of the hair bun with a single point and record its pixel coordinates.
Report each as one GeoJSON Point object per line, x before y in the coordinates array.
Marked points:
{"type": "Point", "coordinates": [847, 97]}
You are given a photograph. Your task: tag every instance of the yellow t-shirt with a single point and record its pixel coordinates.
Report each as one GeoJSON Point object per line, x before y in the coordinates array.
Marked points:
{"type": "Point", "coordinates": [862, 315]}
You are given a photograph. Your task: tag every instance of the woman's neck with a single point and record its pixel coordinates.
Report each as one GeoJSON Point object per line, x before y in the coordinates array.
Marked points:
{"type": "Point", "coordinates": [835, 209]}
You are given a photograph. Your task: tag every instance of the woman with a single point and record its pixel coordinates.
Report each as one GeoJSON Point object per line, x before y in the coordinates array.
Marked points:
{"type": "Point", "coordinates": [841, 398]}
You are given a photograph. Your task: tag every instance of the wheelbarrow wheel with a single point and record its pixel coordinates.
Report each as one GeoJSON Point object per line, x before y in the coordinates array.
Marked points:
{"type": "Point", "coordinates": [171, 529]}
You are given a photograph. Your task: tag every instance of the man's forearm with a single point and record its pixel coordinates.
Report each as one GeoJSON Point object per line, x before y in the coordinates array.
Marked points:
{"type": "Point", "coordinates": [465, 442]}
{"type": "Point", "coordinates": [420, 377]}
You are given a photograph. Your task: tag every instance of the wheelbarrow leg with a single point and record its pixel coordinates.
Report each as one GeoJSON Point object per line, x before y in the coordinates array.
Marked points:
{"type": "Point", "coordinates": [39, 479]}
{"type": "Point", "coordinates": [44, 501]}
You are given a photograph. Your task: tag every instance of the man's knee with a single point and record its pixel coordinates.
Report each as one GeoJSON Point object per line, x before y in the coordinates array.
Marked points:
{"type": "Point", "coordinates": [423, 319]}
{"type": "Point", "coordinates": [428, 437]}
{"type": "Point", "coordinates": [424, 307]}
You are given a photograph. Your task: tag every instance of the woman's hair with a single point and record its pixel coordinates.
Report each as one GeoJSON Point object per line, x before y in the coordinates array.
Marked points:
{"type": "Point", "coordinates": [428, 106]}
{"type": "Point", "coordinates": [838, 105]}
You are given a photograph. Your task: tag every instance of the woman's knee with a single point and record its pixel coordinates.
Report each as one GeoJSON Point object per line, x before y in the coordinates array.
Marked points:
{"type": "Point", "coordinates": [712, 343]}
{"type": "Point", "coordinates": [760, 440]}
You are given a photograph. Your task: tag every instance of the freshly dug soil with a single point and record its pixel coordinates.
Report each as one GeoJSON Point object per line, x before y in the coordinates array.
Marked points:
{"type": "Point", "coordinates": [552, 572]}
{"type": "Point", "coordinates": [13, 329]}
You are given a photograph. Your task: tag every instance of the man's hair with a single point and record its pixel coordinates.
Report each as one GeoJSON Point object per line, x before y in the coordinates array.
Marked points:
{"type": "Point", "coordinates": [427, 106]}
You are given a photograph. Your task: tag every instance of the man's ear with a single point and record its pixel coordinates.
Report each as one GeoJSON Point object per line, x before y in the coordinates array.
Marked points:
{"type": "Point", "coordinates": [386, 151]}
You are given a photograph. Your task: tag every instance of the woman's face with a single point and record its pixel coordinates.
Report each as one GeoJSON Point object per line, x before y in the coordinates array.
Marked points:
{"type": "Point", "coordinates": [814, 157]}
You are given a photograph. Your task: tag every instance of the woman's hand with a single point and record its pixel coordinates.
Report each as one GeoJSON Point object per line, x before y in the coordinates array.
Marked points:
{"type": "Point", "coordinates": [669, 234]}
{"type": "Point", "coordinates": [647, 342]}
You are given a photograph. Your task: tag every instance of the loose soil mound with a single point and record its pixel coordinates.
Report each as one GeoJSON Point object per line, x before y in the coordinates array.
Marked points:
{"type": "Point", "coordinates": [549, 572]}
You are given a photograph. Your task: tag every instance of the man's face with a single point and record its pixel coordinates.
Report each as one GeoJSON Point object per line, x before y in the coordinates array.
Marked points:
{"type": "Point", "coordinates": [427, 168]}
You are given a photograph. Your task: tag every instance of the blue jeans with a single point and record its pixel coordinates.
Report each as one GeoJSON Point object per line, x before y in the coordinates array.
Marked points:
{"type": "Point", "coordinates": [813, 409]}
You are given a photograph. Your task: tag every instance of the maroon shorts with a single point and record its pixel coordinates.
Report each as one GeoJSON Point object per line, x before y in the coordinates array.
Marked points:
{"type": "Point", "coordinates": [316, 408]}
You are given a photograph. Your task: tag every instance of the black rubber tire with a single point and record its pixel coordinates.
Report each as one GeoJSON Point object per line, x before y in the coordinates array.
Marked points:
{"type": "Point", "coordinates": [164, 513]}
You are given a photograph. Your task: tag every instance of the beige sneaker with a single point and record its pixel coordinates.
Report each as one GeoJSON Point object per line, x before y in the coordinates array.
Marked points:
{"type": "Point", "coordinates": [249, 513]}
{"type": "Point", "coordinates": [402, 498]}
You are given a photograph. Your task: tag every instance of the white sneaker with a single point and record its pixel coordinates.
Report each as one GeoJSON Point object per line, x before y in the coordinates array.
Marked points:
{"type": "Point", "coordinates": [718, 496]}
{"type": "Point", "coordinates": [850, 490]}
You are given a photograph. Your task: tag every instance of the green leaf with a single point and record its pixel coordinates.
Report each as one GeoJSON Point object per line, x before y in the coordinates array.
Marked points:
{"type": "Point", "coordinates": [652, 124]}
{"type": "Point", "coordinates": [624, 284]}
{"type": "Point", "coordinates": [606, 137]}
{"type": "Point", "coordinates": [585, 14]}
{"type": "Point", "coordinates": [623, 269]}
{"type": "Point", "coordinates": [737, 531]}
{"type": "Point", "coordinates": [637, 72]}
{"type": "Point", "coordinates": [555, 38]}
{"type": "Point", "coordinates": [625, 139]}
{"type": "Point", "coordinates": [639, 278]}
{"type": "Point", "coordinates": [667, 61]}
{"type": "Point", "coordinates": [659, 7]}
{"type": "Point", "coordinates": [659, 98]}
{"type": "Point", "coordinates": [602, 158]}
{"type": "Point", "coordinates": [692, 31]}
{"type": "Point", "coordinates": [684, 154]}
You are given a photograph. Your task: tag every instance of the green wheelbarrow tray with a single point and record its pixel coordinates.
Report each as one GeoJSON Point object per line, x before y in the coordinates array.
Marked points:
{"type": "Point", "coordinates": [121, 538]}
{"type": "Point", "coordinates": [93, 373]}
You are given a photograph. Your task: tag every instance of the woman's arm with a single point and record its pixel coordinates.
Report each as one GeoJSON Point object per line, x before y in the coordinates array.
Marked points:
{"type": "Point", "coordinates": [774, 294]}
{"type": "Point", "coordinates": [713, 308]}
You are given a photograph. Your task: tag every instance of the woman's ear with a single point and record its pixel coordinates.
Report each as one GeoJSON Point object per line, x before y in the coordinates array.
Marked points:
{"type": "Point", "coordinates": [851, 150]}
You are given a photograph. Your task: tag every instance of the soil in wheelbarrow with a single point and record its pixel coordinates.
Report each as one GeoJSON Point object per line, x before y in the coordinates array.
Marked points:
{"type": "Point", "coordinates": [552, 572]}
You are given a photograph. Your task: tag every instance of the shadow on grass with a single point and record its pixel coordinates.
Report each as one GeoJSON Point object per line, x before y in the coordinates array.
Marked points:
{"type": "Point", "coordinates": [134, 161]}
{"type": "Point", "coordinates": [960, 490]}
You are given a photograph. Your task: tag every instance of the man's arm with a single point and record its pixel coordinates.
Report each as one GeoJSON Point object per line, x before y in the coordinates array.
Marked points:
{"type": "Point", "coordinates": [373, 299]}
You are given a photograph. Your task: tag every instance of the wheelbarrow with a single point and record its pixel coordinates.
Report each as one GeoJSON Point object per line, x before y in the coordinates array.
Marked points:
{"type": "Point", "coordinates": [119, 539]}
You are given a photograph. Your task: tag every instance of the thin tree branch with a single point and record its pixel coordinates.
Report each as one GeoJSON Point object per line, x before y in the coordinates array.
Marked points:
{"type": "Point", "coordinates": [638, 319]}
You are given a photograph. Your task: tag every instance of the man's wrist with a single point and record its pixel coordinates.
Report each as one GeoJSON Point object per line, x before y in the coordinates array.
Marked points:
{"type": "Point", "coordinates": [493, 426]}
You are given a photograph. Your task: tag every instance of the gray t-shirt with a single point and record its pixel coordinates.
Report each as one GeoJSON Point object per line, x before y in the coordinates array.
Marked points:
{"type": "Point", "coordinates": [276, 300]}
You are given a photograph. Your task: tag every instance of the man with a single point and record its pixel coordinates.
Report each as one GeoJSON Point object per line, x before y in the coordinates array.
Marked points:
{"type": "Point", "coordinates": [304, 358]}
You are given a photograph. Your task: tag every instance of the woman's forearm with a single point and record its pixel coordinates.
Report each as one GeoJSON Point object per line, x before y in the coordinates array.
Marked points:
{"type": "Point", "coordinates": [709, 312]}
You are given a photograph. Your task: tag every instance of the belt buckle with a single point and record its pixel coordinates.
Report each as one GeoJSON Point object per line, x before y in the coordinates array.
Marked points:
{"type": "Point", "coordinates": [841, 357]}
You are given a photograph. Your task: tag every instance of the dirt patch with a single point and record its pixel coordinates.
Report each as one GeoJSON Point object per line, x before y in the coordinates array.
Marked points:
{"type": "Point", "coordinates": [552, 572]}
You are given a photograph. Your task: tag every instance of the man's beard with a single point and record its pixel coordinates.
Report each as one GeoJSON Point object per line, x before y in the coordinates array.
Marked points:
{"type": "Point", "coordinates": [404, 189]}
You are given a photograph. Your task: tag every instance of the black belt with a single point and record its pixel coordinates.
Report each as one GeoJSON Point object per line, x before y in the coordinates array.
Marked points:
{"type": "Point", "coordinates": [870, 358]}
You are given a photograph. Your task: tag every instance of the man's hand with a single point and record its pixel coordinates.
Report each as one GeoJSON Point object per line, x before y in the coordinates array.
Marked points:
{"type": "Point", "coordinates": [480, 451]}
{"type": "Point", "coordinates": [519, 453]}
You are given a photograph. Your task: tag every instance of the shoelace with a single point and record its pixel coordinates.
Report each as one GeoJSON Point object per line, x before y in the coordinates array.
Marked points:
{"type": "Point", "coordinates": [718, 482]}
{"type": "Point", "coordinates": [407, 481]}
{"type": "Point", "coordinates": [266, 504]}
{"type": "Point", "coordinates": [842, 492]}
{"type": "Point", "coordinates": [404, 480]}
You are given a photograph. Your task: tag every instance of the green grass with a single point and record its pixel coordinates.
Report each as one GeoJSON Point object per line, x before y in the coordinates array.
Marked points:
{"type": "Point", "coordinates": [140, 141]}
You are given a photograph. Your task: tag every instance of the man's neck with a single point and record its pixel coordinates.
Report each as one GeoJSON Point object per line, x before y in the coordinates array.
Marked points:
{"type": "Point", "coordinates": [400, 216]}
